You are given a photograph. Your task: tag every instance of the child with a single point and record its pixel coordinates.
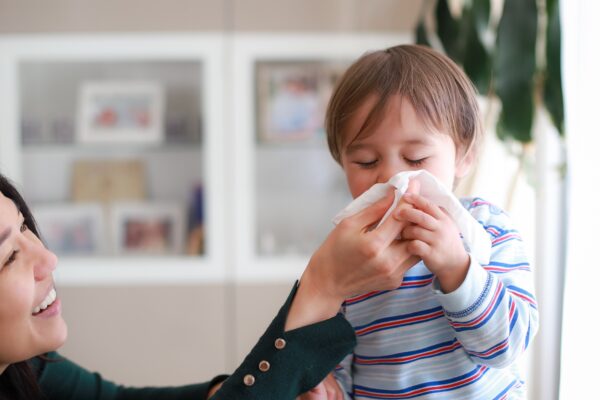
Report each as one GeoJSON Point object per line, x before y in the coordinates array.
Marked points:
{"type": "Point", "coordinates": [453, 328]}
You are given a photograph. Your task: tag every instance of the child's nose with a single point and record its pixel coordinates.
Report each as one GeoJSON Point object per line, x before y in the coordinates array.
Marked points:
{"type": "Point", "coordinates": [388, 170]}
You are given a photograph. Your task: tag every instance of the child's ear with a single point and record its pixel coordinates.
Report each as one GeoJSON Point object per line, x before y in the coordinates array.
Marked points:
{"type": "Point", "coordinates": [464, 163]}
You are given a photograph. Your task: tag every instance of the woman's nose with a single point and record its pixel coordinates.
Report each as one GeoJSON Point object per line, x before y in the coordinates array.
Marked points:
{"type": "Point", "coordinates": [44, 261]}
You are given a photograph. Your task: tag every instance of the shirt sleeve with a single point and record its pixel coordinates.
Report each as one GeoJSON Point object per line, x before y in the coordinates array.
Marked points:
{"type": "Point", "coordinates": [283, 365]}
{"type": "Point", "coordinates": [494, 311]}
{"type": "Point", "coordinates": [343, 376]}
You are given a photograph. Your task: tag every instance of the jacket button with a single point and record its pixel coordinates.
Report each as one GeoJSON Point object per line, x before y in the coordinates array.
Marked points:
{"type": "Point", "coordinates": [279, 343]}
{"type": "Point", "coordinates": [264, 366]}
{"type": "Point", "coordinates": [249, 380]}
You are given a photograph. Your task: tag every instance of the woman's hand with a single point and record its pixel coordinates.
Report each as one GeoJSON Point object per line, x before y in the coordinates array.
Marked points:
{"type": "Point", "coordinates": [328, 389]}
{"type": "Point", "coordinates": [354, 259]}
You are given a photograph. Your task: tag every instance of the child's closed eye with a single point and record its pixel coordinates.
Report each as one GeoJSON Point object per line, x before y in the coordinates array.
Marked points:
{"type": "Point", "coordinates": [415, 163]}
{"type": "Point", "coordinates": [366, 164]}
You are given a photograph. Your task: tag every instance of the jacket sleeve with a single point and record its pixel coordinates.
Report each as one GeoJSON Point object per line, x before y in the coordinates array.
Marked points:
{"type": "Point", "coordinates": [494, 311]}
{"type": "Point", "coordinates": [61, 379]}
{"type": "Point", "coordinates": [283, 365]}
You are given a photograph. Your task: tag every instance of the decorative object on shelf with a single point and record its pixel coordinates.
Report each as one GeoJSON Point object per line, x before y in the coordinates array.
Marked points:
{"type": "Point", "coordinates": [292, 97]}
{"type": "Point", "coordinates": [117, 112]}
{"type": "Point", "coordinates": [195, 238]}
{"type": "Point", "coordinates": [147, 228]}
{"type": "Point", "coordinates": [32, 131]}
{"type": "Point", "coordinates": [72, 229]}
{"type": "Point", "coordinates": [183, 129]}
{"type": "Point", "coordinates": [108, 180]}
{"type": "Point", "coordinates": [62, 131]}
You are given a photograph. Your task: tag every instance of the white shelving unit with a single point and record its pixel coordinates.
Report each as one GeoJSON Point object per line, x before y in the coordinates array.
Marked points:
{"type": "Point", "coordinates": [206, 50]}
{"type": "Point", "coordinates": [231, 155]}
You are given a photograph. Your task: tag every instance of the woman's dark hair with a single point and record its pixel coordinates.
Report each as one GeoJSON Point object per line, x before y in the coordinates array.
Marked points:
{"type": "Point", "coordinates": [18, 381]}
{"type": "Point", "coordinates": [9, 190]}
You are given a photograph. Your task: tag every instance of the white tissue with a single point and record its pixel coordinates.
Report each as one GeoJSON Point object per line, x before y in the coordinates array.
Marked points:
{"type": "Point", "coordinates": [475, 238]}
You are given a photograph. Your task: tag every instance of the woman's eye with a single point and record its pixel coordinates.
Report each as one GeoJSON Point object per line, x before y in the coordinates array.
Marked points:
{"type": "Point", "coordinates": [415, 163]}
{"type": "Point", "coordinates": [23, 227]}
{"type": "Point", "coordinates": [366, 164]}
{"type": "Point", "coordinates": [12, 258]}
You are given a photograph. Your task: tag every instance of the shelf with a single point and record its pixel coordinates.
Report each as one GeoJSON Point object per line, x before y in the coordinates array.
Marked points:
{"type": "Point", "coordinates": [269, 199]}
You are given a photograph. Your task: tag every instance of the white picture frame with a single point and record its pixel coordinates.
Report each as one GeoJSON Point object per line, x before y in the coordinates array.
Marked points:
{"type": "Point", "coordinates": [72, 229]}
{"type": "Point", "coordinates": [117, 112]}
{"type": "Point", "coordinates": [144, 228]}
{"type": "Point", "coordinates": [292, 96]}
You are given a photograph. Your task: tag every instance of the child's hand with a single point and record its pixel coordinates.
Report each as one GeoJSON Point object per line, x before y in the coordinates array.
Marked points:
{"type": "Point", "coordinates": [434, 237]}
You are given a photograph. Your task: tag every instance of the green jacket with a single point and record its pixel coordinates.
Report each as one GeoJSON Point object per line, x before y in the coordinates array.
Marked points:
{"type": "Point", "coordinates": [281, 366]}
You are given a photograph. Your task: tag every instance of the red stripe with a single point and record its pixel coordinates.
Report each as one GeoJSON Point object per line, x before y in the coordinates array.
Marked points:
{"type": "Point", "coordinates": [482, 316]}
{"type": "Point", "coordinates": [399, 322]}
{"type": "Point", "coordinates": [505, 238]}
{"type": "Point", "coordinates": [522, 296]}
{"type": "Point", "coordinates": [361, 297]}
{"type": "Point", "coordinates": [408, 358]}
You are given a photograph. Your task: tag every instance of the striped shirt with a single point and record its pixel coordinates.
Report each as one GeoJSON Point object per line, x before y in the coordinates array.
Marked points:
{"type": "Point", "coordinates": [417, 342]}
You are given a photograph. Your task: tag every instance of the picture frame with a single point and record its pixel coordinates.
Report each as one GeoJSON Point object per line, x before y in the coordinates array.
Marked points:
{"type": "Point", "coordinates": [118, 112]}
{"type": "Point", "coordinates": [108, 180]}
{"type": "Point", "coordinates": [72, 229]}
{"type": "Point", "coordinates": [292, 96]}
{"type": "Point", "coordinates": [144, 228]}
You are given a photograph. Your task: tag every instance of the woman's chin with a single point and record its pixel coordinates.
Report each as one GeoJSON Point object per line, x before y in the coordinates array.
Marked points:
{"type": "Point", "coordinates": [56, 337]}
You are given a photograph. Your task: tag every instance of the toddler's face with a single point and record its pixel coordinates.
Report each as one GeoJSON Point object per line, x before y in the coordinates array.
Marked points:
{"type": "Point", "coordinates": [400, 142]}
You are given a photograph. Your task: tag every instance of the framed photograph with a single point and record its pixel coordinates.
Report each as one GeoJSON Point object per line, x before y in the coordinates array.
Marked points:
{"type": "Point", "coordinates": [72, 229]}
{"type": "Point", "coordinates": [101, 180]}
{"type": "Point", "coordinates": [113, 112]}
{"type": "Point", "coordinates": [292, 97]}
{"type": "Point", "coordinates": [147, 228]}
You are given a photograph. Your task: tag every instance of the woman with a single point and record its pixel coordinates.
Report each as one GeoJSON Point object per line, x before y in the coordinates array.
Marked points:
{"type": "Point", "coordinates": [304, 342]}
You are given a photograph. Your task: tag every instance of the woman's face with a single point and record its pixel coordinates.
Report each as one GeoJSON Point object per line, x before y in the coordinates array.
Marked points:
{"type": "Point", "coordinates": [30, 313]}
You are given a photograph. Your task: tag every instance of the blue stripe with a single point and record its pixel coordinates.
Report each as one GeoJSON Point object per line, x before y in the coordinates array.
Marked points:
{"type": "Point", "coordinates": [486, 319]}
{"type": "Point", "coordinates": [417, 277]}
{"type": "Point", "coordinates": [425, 385]}
{"type": "Point", "coordinates": [502, 393]}
{"type": "Point", "coordinates": [520, 290]}
{"type": "Point", "coordinates": [506, 265]}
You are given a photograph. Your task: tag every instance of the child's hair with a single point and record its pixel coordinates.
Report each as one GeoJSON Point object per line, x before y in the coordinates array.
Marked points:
{"type": "Point", "coordinates": [441, 93]}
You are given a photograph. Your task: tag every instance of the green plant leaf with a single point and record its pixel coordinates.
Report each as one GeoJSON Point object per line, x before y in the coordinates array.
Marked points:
{"type": "Point", "coordinates": [421, 34]}
{"type": "Point", "coordinates": [516, 116]}
{"type": "Point", "coordinates": [514, 68]}
{"type": "Point", "coordinates": [450, 33]}
{"type": "Point", "coordinates": [553, 96]}
{"type": "Point", "coordinates": [481, 17]}
{"type": "Point", "coordinates": [477, 61]}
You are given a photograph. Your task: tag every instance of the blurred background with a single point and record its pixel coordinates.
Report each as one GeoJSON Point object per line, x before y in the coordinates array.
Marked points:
{"type": "Point", "coordinates": [175, 158]}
